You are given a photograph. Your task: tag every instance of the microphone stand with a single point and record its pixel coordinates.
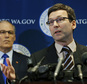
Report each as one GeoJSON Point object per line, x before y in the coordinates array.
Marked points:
{"type": "Point", "coordinates": [82, 81]}
{"type": "Point", "coordinates": [58, 69]}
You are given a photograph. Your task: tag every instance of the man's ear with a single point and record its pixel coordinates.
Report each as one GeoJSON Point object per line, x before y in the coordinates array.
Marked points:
{"type": "Point", "coordinates": [73, 24]}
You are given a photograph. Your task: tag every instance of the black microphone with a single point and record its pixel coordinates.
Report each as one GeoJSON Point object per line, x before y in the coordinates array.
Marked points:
{"type": "Point", "coordinates": [84, 58]}
{"type": "Point", "coordinates": [31, 71]}
{"type": "Point", "coordinates": [34, 69]}
{"type": "Point", "coordinates": [60, 60]}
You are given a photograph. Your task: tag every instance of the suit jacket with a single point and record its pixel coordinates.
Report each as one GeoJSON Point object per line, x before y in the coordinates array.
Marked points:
{"type": "Point", "coordinates": [52, 57]}
{"type": "Point", "coordinates": [20, 63]}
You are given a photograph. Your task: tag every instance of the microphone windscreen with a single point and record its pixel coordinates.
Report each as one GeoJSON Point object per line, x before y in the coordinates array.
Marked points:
{"type": "Point", "coordinates": [84, 58]}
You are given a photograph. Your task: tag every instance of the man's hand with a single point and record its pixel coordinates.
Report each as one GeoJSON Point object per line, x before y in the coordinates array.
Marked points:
{"type": "Point", "coordinates": [9, 70]}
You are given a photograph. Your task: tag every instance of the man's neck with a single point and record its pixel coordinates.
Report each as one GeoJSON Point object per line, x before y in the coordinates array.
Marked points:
{"type": "Point", "coordinates": [5, 50]}
{"type": "Point", "coordinates": [63, 43]}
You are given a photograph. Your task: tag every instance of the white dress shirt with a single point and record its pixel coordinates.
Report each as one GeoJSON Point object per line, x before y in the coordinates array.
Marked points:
{"type": "Point", "coordinates": [10, 53]}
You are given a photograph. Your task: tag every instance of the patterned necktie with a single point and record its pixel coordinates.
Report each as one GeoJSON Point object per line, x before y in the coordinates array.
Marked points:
{"type": "Point", "coordinates": [5, 63]}
{"type": "Point", "coordinates": [68, 62]}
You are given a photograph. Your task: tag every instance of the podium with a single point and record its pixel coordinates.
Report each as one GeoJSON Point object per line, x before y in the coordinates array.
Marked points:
{"type": "Point", "coordinates": [52, 83]}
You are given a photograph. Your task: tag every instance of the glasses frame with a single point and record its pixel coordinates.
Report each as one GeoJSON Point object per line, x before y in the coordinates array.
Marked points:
{"type": "Point", "coordinates": [57, 20]}
{"type": "Point", "coordinates": [2, 32]}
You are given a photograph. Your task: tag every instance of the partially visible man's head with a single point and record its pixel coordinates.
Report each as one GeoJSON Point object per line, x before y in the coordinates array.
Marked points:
{"type": "Point", "coordinates": [7, 35]}
{"type": "Point", "coordinates": [68, 9]}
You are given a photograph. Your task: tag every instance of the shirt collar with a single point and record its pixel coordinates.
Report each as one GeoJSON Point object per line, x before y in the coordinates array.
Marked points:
{"type": "Point", "coordinates": [58, 47]}
{"type": "Point", "coordinates": [72, 46]}
{"type": "Point", "coordinates": [1, 54]}
{"type": "Point", "coordinates": [8, 53]}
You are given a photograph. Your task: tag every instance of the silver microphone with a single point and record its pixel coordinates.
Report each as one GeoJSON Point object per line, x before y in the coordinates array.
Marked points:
{"type": "Point", "coordinates": [80, 71]}
{"type": "Point", "coordinates": [60, 60]}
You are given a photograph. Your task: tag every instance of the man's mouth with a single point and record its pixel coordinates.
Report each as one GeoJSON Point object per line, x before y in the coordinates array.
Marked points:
{"type": "Point", "coordinates": [57, 31]}
{"type": "Point", "coordinates": [6, 41]}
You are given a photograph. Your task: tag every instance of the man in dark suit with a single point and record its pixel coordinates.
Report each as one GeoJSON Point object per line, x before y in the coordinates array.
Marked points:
{"type": "Point", "coordinates": [51, 59]}
{"type": "Point", "coordinates": [17, 60]}
{"type": "Point", "coordinates": [61, 22]}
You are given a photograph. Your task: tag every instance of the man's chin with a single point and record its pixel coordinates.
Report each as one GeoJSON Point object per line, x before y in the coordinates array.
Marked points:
{"type": "Point", "coordinates": [7, 47]}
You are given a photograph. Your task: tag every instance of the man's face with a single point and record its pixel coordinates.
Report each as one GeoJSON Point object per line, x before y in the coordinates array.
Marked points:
{"type": "Point", "coordinates": [7, 35]}
{"type": "Point", "coordinates": [61, 30]}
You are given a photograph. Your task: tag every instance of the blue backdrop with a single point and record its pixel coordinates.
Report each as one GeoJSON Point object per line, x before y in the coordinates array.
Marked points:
{"type": "Point", "coordinates": [29, 17]}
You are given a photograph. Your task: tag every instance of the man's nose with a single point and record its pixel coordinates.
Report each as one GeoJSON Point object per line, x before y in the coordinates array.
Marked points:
{"type": "Point", "coordinates": [56, 23]}
{"type": "Point", "coordinates": [7, 34]}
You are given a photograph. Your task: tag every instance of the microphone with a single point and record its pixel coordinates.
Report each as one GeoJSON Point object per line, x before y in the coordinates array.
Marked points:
{"type": "Point", "coordinates": [79, 65]}
{"type": "Point", "coordinates": [84, 58]}
{"type": "Point", "coordinates": [34, 69]}
{"type": "Point", "coordinates": [58, 66]}
{"type": "Point", "coordinates": [31, 71]}
{"type": "Point", "coordinates": [46, 68]}
{"type": "Point", "coordinates": [80, 71]}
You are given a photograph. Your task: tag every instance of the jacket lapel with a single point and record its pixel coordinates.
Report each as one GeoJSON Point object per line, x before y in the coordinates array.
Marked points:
{"type": "Point", "coordinates": [15, 61]}
{"type": "Point", "coordinates": [78, 53]}
{"type": "Point", "coordinates": [52, 54]}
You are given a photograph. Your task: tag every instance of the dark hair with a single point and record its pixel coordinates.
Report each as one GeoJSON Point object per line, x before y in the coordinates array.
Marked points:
{"type": "Point", "coordinates": [68, 9]}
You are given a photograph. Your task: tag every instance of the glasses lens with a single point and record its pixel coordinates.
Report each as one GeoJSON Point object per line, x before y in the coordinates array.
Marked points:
{"type": "Point", "coordinates": [58, 20]}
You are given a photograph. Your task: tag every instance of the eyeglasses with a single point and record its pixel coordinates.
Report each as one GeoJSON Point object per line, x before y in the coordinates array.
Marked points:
{"type": "Point", "coordinates": [58, 20]}
{"type": "Point", "coordinates": [9, 32]}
